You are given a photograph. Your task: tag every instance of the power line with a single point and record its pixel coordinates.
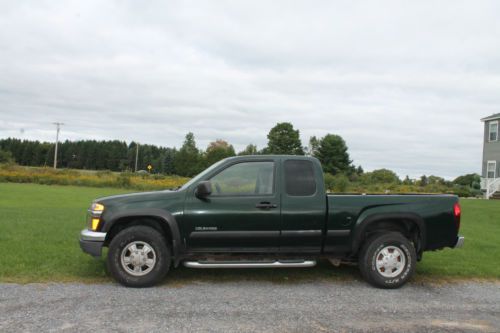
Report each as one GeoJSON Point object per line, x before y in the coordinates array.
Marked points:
{"type": "Point", "coordinates": [58, 126]}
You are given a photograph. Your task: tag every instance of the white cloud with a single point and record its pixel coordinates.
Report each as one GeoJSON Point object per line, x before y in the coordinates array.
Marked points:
{"type": "Point", "coordinates": [405, 83]}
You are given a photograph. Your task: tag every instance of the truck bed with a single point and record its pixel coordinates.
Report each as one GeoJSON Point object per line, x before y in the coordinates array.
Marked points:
{"type": "Point", "coordinates": [347, 211]}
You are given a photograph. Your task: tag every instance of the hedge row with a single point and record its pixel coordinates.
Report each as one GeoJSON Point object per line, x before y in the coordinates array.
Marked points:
{"type": "Point", "coordinates": [48, 176]}
{"type": "Point", "coordinates": [338, 184]}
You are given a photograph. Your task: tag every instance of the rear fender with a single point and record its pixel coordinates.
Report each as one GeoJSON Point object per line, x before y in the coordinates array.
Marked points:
{"type": "Point", "coordinates": [366, 220]}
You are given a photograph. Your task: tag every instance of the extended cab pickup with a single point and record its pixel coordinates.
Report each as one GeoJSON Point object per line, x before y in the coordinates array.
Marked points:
{"type": "Point", "coordinates": [267, 211]}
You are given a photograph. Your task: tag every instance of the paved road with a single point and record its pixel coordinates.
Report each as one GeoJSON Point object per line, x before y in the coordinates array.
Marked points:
{"type": "Point", "coordinates": [250, 307]}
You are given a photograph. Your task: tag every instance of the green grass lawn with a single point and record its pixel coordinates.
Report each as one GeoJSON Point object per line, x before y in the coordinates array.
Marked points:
{"type": "Point", "coordinates": [39, 228]}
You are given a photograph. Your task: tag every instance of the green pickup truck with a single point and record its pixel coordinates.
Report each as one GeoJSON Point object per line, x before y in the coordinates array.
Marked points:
{"type": "Point", "coordinates": [267, 211]}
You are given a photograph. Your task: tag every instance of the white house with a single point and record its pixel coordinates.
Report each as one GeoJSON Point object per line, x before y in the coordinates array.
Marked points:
{"type": "Point", "coordinates": [490, 181]}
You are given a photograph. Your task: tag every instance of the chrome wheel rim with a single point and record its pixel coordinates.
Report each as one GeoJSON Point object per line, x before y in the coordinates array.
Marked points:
{"type": "Point", "coordinates": [138, 258]}
{"type": "Point", "coordinates": [390, 261]}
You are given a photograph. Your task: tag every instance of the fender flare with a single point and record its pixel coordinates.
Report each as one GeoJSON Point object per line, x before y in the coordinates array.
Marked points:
{"type": "Point", "coordinates": [362, 225]}
{"type": "Point", "coordinates": [159, 214]}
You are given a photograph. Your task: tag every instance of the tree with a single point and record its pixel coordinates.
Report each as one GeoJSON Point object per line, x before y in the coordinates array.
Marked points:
{"type": "Point", "coordinates": [407, 181]}
{"type": "Point", "coordinates": [435, 180]}
{"type": "Point", "coordinates": [283, 139]}
{"type": "Point", "coordinates": [249, 150]}
{"type": "Point", "coordinates": [381, 176]}
{"type": "Point", "coordinates": [28, 152]}
{"type": "Point", "coordinates": [6, 157]}
{"type": "Point", "coordinates": [468, 180]}
{"type": "Point", "coordinates": [312, 149]}
{"type": "Point", "coordinates": [217, 151]}
{"type": "Point", "coordinates": [187, 162]}
{"type": "Point", "coordinates": [333, 155]}
{"type": "Point", "coordinates": [168, 161]}
{"type": "Point", "coordinates": [424, 181]}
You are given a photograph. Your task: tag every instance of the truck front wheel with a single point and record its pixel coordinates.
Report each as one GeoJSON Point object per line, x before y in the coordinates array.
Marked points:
{"type": "Point", "coordinates": [387, 260]}
{"type": "Point", "coordinates": [138, 257]}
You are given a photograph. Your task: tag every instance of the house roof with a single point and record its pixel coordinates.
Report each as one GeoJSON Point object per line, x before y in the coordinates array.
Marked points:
{"type": "Point", "coordinates": [492, 117]}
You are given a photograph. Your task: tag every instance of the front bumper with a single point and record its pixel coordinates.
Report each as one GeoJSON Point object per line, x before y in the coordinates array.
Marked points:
{"type": "Point", "coordinates": [91, 242]}
{"type": "Point", "coordinates": [460, 242]}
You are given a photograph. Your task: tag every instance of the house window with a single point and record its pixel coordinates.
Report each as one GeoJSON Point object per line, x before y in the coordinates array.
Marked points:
{"type": "Point", "coordinates": [492, 169]}
{"type": "Point", "coordinates": [494, 131]}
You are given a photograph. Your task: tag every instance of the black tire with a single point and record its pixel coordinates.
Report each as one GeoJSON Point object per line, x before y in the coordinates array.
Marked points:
{"type": "Point", "coordinates": [371, 251]}
{"type": "Point", "coordinates": [141, 234]}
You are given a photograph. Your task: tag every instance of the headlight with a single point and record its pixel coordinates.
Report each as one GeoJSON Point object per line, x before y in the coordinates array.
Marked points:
{"type": "Point", "coordinates": [94, 216]}
{"type": "Point", "coordinates": [96, 208]}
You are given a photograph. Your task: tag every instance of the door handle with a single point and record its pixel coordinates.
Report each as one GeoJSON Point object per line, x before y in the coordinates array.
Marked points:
{"type": "Point", "coordinates": [266, 205]}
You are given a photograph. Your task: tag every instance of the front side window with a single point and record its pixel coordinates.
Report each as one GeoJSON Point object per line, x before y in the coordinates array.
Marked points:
{"type": "Point", "coordinates": [494, 131]}
{"type": "Point", "coordinates": [248, 178]}
{"type": "Point", "coordinates": [299, 178]}
{"type": "Point", "coordinates": [492, 166]}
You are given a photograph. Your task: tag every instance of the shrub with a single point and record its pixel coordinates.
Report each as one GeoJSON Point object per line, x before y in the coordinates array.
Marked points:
{"type": "Point", "coordinates": [329, 181]}
{"type": "Point", "coordinates": [123, 180]}
{"type": "Point", "coordinates": [338, 183]}
{"type": "Point", "coordinates": [103, 173]}
{"type": "Point", "coordinates": [382, 176]}
{"type": "Point", "coordinates": [462, 191]}
{"type": "Point", "coordinates": [341, 183]}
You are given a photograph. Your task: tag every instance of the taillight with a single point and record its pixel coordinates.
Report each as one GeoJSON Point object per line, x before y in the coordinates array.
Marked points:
{"type": "Point", "coordinates": [457, 212]}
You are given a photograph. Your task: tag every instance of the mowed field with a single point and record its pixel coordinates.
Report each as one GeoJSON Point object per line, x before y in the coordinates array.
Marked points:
{"type": "Point", "coordinates": [40, 224]}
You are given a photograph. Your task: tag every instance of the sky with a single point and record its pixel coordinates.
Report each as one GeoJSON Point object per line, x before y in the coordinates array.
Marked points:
{"type": "Point", "coordinates": [405, 83]}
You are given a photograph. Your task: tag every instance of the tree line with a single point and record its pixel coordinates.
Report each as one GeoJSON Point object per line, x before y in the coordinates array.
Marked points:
{"type": "Point", "coordinates": [87, 154]}
{"type": "Point", "coordinates": [188, 160]}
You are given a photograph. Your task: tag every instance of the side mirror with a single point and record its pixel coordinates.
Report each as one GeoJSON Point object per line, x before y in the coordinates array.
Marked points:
{"type": "Point", "coordinates": [204, 189]}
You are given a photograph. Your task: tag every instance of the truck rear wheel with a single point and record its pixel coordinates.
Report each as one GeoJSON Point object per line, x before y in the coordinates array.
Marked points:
{"type": "Point", "coordinates": [387, 260]}
{"type": "Point", "coordinates": [138, 257]}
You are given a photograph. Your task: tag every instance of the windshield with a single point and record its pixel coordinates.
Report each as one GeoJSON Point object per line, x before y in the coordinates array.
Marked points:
{"type": "Point", "coordinates": [201, 175]}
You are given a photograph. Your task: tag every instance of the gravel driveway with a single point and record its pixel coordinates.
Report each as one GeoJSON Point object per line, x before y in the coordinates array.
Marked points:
{"type": "Point", "coordinates": [250, 307]}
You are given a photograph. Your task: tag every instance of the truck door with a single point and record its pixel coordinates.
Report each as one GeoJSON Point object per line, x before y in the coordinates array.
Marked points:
{"type": "Point", "coordinates": [303, 207]}
{"type": "Point", "coordinates": [241, 215]}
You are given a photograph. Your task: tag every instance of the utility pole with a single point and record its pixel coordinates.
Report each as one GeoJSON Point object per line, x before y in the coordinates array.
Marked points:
{"type": "Point", "coordinates": [136, 155]}
{"type": "Point", "coordinates": [58, 125]}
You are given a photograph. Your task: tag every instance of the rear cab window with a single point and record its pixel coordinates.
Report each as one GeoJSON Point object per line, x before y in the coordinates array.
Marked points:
{"type": "Point", "coordinates": [300, 180]}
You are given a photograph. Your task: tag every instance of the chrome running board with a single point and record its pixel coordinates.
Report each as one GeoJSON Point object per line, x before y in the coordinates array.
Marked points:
{"type": "Point", "coordinates": [250, 264]}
